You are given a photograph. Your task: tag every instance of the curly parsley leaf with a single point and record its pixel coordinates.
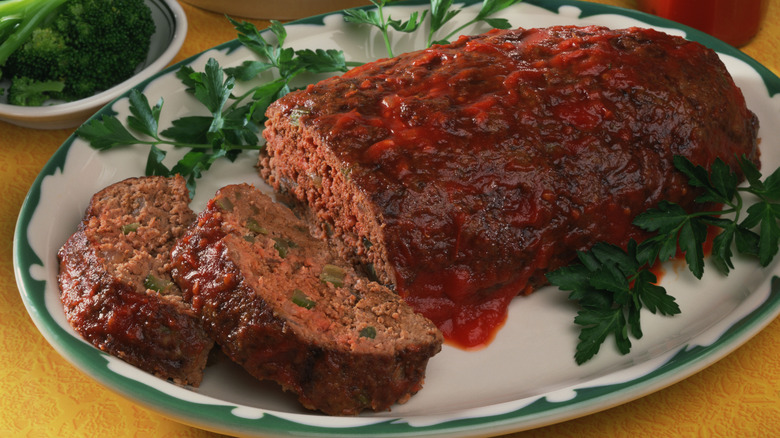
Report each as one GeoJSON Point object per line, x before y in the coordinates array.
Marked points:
{"type": "Point", "coordinates": [719, 184]}
{"type": "Point", "coordinates": [322, 61]}
{"type": "Point", "coordinates": [287, 62]}
{"type": "Point", "coordinates": [106, 133]}
{"type": "Point", "coordinates": [613, 285]}
{"type": "Point", "coordinates": [441, 14]}
{"type": "Point", "coordinates": [376, 18]}
{"type": "Point", "coordinates": [144, 118]}
{"type": "Point", "coordinates": [271, 55]}
{"type": "Point", "coordinates": [438, 15]}
{"type": "Point", "coordinates": [154, 162]}
{"type": "Point", "coordinates": [597, 324]}
{"type": "Point", "coordinates": [225, 133]}
{"type": "Point", "coordinates": [764, 215]}
{"type": "Point", "coordinates": [611, 289]}
{"type": "Point", "coordinates": [233, 121]}
{"type": "Point", "coordinates": [489, 8]}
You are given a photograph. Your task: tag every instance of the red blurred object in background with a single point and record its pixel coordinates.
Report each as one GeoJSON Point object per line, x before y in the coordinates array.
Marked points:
{"type": "Point", "coordinates": [733, 21]}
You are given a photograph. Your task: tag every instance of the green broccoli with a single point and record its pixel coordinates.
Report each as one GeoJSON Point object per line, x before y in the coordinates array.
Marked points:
{"type": "Point", "coordinates": [87, 45]}
{"type": "Point", "coordinates": [27, 92]}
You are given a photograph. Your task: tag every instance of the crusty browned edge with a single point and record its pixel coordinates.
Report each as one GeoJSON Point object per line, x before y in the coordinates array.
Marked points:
{"type": "Point", "coordinates": [240, 310]}
{"type": "Point", "coordinates": [155, 332]}
{"type": "Point", "coordinates": [303, 139]}
{"type": "Point", "coordinates": [338, 210]}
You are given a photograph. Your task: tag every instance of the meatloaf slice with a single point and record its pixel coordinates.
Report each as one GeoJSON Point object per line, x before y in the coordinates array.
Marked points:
{"type": "Point", "coordinates": [280, 304]}
{"type": "Point", "coordinates": [465, 172]}
{"type": "Point", "coordinates": [115, 284]}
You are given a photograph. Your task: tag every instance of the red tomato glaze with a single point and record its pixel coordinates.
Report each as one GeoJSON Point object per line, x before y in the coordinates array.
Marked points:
{"type": "Point", "coordinates": [491, 161]}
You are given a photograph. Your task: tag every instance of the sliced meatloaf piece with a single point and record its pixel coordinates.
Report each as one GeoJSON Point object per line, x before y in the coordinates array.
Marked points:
{"type": "Point", "coordinates": [465, 172]}
{"type": "Point", "coordinates": [115, 283]}
{"type": "Point", "coordinates": [280, 304]}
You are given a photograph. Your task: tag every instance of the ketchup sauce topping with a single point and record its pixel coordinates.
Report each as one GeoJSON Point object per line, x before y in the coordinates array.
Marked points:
{"type": "Point", "coordinates": [494, 159]}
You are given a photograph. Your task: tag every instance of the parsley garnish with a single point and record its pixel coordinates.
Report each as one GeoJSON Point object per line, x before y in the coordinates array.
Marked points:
{"type": "Point", "coordinates": [224, 134]}
{"type": "Point", "coordinates": [438, 15]}
{"type": "Point", "coordinates": [288, 63]}
{"type": "Point", "coordinates": [441, 13]}
{"type": "Point", "coordinates": [234, 121]}
{"type": "Point", "coordinates": [376, 18]}
{"type": "Point", "coordinates": [612, 285]}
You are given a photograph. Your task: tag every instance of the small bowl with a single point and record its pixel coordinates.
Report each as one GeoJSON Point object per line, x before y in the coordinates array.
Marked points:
{"type": "Point", "coordinates": [275, 9]}
{"type": "Point", "coordinates": [171, 23]}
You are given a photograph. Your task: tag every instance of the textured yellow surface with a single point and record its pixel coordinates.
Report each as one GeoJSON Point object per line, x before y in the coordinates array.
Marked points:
{"type": "Point", "coordinates": [41, 395]}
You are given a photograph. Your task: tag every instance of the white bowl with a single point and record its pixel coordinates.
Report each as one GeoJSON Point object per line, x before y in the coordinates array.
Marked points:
{"type": "Point", "coordinates": [276, 9]}
{"type": "Point", "coordinates": [171, 24]}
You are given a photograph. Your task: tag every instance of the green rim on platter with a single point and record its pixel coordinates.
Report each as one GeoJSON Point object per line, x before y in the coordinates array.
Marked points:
{"type": "Point", "coordinates": [224, 416]}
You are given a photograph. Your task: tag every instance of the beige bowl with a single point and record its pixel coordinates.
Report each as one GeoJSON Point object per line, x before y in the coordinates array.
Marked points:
{"type": "Point", "coordinates": [171, 24]}
{"type": "Point", "coordinates": [276, 9]}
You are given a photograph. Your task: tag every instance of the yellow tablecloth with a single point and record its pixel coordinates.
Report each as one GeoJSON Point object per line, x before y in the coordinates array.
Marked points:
{"type": "Point", "coordinates": [43, 395]}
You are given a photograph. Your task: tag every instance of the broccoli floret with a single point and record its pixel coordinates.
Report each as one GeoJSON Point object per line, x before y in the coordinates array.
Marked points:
{"type": "Point", "coordinates": [18, 19]}
{"type": "Point", "coordinates": [40, 57]}
{"type": "Point", "coordinates": [89, 45]}
{"type": "Point", "coordinates": [28, 92]}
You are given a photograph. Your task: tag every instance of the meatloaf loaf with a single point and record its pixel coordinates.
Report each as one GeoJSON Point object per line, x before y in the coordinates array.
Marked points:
{"type": "Point", "coordinates": [115, 285]}
{"type": "Point", "coordinates": [465, 172]}
{"type": "Point", "coordinates": [280, 304]}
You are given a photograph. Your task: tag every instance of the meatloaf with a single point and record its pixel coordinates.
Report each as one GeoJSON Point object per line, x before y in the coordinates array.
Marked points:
{"type": "Point", "coordinates": [115, 283]}
{"type": "Point", "coordinates": [463, 173]}
{"type": "Point", "coordinates": [283, 306]}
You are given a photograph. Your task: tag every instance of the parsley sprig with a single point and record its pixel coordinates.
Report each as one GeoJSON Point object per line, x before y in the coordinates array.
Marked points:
{"type": "Point", "coordinates": [289, 63]}
{"type": "Point", "coordinates": [439, 14]}
{"type": "Point", "coordinates": [612, 285]}
{"type": "Point", "coordinates": [376, 18]}
{"type": "Point", "coordinates": [442, 12]}
{"type": "Point", "coordinates": [222, 134]}
{"type": "Point", "coordinates": [233, 121]}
